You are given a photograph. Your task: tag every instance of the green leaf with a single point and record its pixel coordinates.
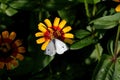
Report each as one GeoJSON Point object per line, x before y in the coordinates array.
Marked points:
{"type": "Point", "coordinates": [90, 1]}
{"type": "Point", "coordinates": [2, 71]}
{"type": "Point", "coordinates": [18, 4]}
{"type": "Point", "coordinates": [105, 69]}
{"type": "Point", "coordinates": [117, 70]}
{"type": "Point", "coordinates": [56, 4]}
{"type": "Point", "coordinates": [43, 14]}
{"type": "Point", "coordinates": [118, 49]}
{"type": "Point", "coordinates": [10, 11]}
{"type": "Point", "coordinates": [110, 46]}
{"type": "Point", "coordinates": [106, 22]}
{"type": "Point", "coordinates": [68, 14]}
{"type": "Point", "coordinates": [83, 43]}
{"type": "Point", "coordinates": [9, 78]}
{"type": "Point", "coordinates": [2, 27]}
{"type": "Point", "coordinates": [82, 33]}
{"type": "Point", "coordinates": [24, 67]}
{"type": "Point", "coordinates": [97, 52]}
{"type": "Point", "coordinates": [40, 59]}
{"type": "Point", "coordinates": [3, 6]}
{"type": "Point", "coordinates": [4, 1]}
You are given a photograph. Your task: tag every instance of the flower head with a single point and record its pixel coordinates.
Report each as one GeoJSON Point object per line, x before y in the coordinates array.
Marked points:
{"type": "Point", "coordinates": [49, 31]}
{"type": "Point", "coordinates": [10, 50]}
{"type": "Point", "coordinates": [117, 9]}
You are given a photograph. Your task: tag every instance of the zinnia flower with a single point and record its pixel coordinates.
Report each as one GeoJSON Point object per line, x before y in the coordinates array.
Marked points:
{"type": "Point", "coordinates": [49, 31]}
{"type": "Point", "coordinates": [10, 50]}
{"type": "Point", "coordinates": [117, 9]}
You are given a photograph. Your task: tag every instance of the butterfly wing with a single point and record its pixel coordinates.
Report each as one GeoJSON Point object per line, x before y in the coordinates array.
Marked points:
{"type": "Point", "coordinates": [50, 49]}
{"type": "Point", "coordinates": [60, 46]}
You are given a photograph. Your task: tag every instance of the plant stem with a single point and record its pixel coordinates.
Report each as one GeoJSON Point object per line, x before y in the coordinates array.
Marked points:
{"type": "Point", "coordinates": [94, 10]}
{"type": "Point", "coordinates": [51, 72]}
{"type": "Point", "coordinates": [87, 10]}
{"type": "Point", "coordinates": [116, 41]}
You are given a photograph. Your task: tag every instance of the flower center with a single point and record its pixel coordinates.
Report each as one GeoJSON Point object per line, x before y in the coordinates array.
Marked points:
{"type": "Point", "coordinates": [54, 33]}
{"type": "Point", "coordinates": [48, 35]}
{"type": "Point", "coordinates": [5, 50]}
{"type": "Point", "coordinates": [58, 34]}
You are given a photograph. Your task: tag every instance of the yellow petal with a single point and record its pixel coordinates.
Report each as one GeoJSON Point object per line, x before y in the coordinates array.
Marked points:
{"type": "Point", "coordinates": [40, 40]}
{"type": "Point", "coordinates": [56, 22]}
{"type": "Point", "coordinates": [67, 40]}
{"type": "Point", "coordinates": [39, 34]}
{"type": "Point", "coordinates": [42, 27]}
{"type": "Point", "coordinates": [41, 24]}
{"type": "Point", "coordinates": [12, 35]}
{"type": "Point", "coordinates": [5, 34]}
{"type": "Point", "coordinates": [117, 9]}
{"type": "Point", "coordinates": [48, 23]}
{"type": "Point", "coordinates": [21, 50]}
{"type": "Point", "coordinates": [14, 63]}
{"type": "Point", "coordinates": [1, 65]}
{"type": "Point", "coordinates": [67, 29]}
{"type": "Point", "coordinates": [18, 42]}
{"type": "Point", "coordinates": [62, 24]}
{"type": "Point", "coordinates": [8, 66]}
{"type": "Point", "coordinates": [43, 47]}
{"type": "Point", "coordinates": [50, 30]}
{"type": "Point", "coordinates": [68, 35]}
{"type": "Point", "coordinates": [20, 57]}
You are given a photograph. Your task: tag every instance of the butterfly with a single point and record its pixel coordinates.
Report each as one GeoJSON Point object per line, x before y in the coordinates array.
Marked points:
{"type": "Point", "coordinates": [55, 46]}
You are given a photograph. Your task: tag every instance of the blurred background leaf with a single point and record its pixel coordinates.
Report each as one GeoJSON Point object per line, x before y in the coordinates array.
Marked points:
{"type": "Point", "coordinates": [90, 1]}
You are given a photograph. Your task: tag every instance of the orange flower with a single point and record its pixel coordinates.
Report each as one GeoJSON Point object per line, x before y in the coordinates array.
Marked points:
{"type": "Point", "coordinates": [117, 9]}
{"type": "Point", "coordinates": [57, 30]}
{"type": "Point", "coordinates": [10, 50]}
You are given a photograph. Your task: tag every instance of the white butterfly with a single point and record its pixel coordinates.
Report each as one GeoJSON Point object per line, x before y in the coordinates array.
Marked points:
{"type": "Point", "coordinates": [56, 46]}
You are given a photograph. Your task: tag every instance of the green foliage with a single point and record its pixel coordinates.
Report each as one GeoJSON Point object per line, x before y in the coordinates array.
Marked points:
{"type": "Point", "coordinates": [107, 69]}
{"type": "Point", "coordinates": [83, 43]}
{"type": "Point", "coordinates": [39, 59]}
{"type": "Point", "coordinates": [106, 22]}
{"type": "Point", "coordinates": [94, 54]}
{"type": "Point", "coordinates": [90, 1]}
